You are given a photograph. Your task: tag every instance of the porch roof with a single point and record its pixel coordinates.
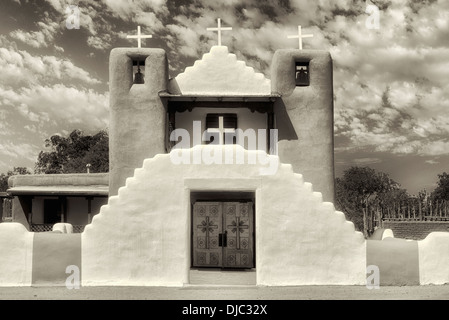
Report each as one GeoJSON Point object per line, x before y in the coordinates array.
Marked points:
{"type": "Point", "coordinates": [60, 190]}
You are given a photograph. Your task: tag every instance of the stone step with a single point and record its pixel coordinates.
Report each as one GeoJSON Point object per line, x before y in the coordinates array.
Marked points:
{"type": "Point", "coordinates": [216, 276]}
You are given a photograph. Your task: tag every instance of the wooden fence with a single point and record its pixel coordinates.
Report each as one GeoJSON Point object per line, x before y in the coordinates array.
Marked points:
{"type": "Point", "coordinates": [407, 210]}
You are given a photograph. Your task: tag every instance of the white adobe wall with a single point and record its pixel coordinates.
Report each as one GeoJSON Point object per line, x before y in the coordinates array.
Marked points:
{"type": "Point", "coordinates": [434, 258]}
{"type": "Point", "coordinates": [142, 237]}
{"type": "Point", "coordinates": [302, 240]}
{"type": "Point", "coordinates": [220, 73]}
{"type": "Point", "coordinates": [16, 253]}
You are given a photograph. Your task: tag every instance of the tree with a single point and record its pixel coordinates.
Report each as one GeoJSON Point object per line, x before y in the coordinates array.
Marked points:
{"type": "Point", "coordinates": [4, 177]}
{"type": "Point", "coordinates": [356, 188]}
{"type": "Point", "coordinates": [441, 192]}
{"type": "Point", "coordinates": [71, 154]}
{"type": "Point", "coordinates": [348, 205]}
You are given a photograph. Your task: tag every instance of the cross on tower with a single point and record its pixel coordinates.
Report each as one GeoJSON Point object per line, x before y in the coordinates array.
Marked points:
{"type": "Point", "coordinates": [139, 37]}
{"type": "Point", "coordinates": [219, 29]}
{"type": "Point", "coordinates": [221, 130]}
{"type": "Point", "coordinates": [300, 36]}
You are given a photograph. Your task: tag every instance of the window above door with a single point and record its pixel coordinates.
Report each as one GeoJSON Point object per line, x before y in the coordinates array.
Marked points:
{"type": "Point", "coordinates": [221, 126]}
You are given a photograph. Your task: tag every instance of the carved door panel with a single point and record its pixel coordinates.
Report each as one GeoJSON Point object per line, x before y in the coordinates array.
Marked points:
{"type": "Point", "coordinates": [223, 234]}
{"type": "Point", "coordinates": [238, 228]}
{"type": "Point", "coordinates": [207, 226]}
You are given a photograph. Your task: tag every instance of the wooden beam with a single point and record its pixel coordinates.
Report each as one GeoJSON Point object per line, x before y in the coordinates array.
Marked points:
{"type": "Point", "coordinates": [182, 106]}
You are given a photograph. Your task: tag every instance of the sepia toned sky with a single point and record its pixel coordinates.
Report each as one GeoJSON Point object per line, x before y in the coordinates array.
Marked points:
{"type": "Point", "coordinates": [390, 83]}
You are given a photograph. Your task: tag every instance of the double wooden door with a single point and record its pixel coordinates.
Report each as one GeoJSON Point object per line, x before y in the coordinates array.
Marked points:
{"type": "Point", "coordinates": [223, 234]}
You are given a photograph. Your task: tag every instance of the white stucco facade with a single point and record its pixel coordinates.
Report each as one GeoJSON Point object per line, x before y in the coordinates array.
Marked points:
{"type": "Point", "coordinates": [434, 258]}
{"type": "Point", "coordinates": [16, 254]}
{"type": "Point", "coordinates": [299, 239]}
{"type": "Point", "coordinates": [220, 73]}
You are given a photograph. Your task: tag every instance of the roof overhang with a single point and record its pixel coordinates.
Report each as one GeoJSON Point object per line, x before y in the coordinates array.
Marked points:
{"type": "Point", "coordinates": [219, 98]}
{"type": "Point", "coordinates": [60, 190]}
{"type": "Point", "coordinates": [181, 103]}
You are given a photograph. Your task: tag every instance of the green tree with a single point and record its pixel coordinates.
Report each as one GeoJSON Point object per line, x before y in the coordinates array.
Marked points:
{"type": "Point", "coordinates": [5, 176]}
{"type": "Point", "coordinates": [71, 154]}
{"type": "Point", "coordinates": [358, 187]}
{"type": "Point", "coordinates": [441, 192]}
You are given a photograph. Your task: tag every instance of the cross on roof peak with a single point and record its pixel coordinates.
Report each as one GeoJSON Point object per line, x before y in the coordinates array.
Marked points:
{"type": "Point", "coordinates": [219, 29]}
{"type": "Point", "coordinates": [139, 37]}
{"type": "Point", "coordinates": [300, 36]}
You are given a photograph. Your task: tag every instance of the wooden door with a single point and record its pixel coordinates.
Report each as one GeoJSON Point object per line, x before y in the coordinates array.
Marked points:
{"type": "Point", "coordinates": [207, 226]}
{"type": "Point", "coordinates": [223, 234]}
{"type": "Point", "coordinates": [238, 228]}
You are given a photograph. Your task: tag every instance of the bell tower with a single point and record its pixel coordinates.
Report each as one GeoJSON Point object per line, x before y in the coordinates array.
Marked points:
{"type": "Point", "coordinates": [303, 79]}
{"type": "Point", "coordinates": [137, 114]}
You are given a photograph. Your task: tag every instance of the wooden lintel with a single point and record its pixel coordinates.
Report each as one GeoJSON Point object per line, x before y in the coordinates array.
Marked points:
{"type": "Point", "coordinates": [182, 106]}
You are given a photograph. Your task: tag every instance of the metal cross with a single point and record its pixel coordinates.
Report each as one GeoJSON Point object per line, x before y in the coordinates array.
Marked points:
{"type": "Point", "coordinates": [207, 227]}
{"type": "Point", "coordinates": [219, 29]}
{"type": "Point", "coordinates": [238, 227]}
{"type": "Point", "coordinates": [139, 37]}
{"type": "Point", "coordinates": [300, 36]}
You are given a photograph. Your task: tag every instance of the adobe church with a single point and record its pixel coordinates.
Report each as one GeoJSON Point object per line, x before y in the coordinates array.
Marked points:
{"type": "Point", "coordinates": [212, 172]}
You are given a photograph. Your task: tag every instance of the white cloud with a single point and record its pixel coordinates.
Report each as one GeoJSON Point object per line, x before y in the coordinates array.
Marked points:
{"type": "Point", "coordinates": [413, 65]}
{"type": "Point", "coordinates": [99, 43]}
{"type": "Point", "coordinates": [43, 38]}
{"type": "Point", "coordinates": [20, 68]}
{"type": "Point", "coordinates": [365, 161]}
{"type": "Point", "coordinates": [435, 148]}
{"type": "Point", "coordinates": [126, 9]}
{"type": "Point", "coordinates": [409, 54]}
{"type": "Point", "coordinates": [431, 161]}
{"type": "Point", "coordinates": [58, 104]}
{"type": "Point", "coordinates": [21, 151]}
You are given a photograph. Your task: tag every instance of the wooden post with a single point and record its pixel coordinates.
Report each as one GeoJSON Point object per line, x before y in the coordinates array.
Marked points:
{"type": "Point", "coordinates": [171, 128]}
{"type": "Point", "coordinates": [89, 209]}
{"type": "Point", "coordinates": [270, 125]}
{"type": "Point", "coordinates": [63, 201]}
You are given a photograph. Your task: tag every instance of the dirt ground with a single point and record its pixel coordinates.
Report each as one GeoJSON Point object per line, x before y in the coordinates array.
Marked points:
{"type": "Point", "coordinates": [228, 293]}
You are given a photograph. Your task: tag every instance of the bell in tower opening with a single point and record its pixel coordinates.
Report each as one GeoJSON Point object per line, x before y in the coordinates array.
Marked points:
{"type": "Point", "coordinates": [139, 77]}
{"type": "Point", "coordinates": [302, 74]}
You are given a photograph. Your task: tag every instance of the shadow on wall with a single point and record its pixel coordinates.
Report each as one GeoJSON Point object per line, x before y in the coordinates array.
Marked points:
{"type": "Point", "coordinates": [37, 258]}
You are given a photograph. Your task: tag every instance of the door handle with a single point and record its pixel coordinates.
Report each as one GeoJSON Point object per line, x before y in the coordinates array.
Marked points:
{"type": "Point", "coordinates": [223, 239]}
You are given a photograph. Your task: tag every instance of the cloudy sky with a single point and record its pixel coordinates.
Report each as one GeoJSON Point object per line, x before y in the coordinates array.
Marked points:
{"type": "Point", "coordinates": [390, 83]}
